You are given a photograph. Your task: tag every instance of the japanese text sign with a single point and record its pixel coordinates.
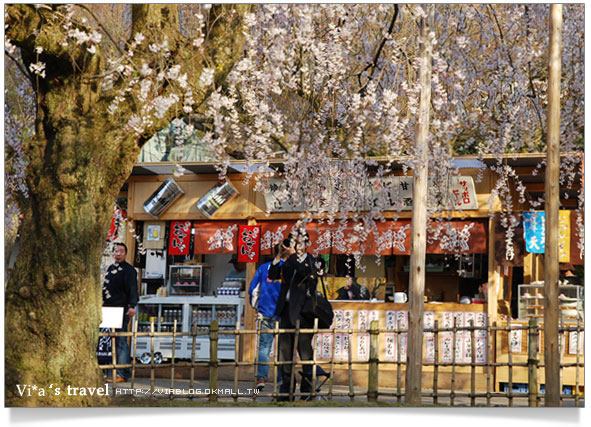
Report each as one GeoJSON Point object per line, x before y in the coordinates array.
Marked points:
{"type": "Point", "coordinates": [180, 237]}
{"type": "Point", "coordinates": [249, 239]}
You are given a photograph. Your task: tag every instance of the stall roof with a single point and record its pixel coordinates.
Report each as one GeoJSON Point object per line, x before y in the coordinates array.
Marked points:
{"type": "Point", "coordinates": [529, 167]}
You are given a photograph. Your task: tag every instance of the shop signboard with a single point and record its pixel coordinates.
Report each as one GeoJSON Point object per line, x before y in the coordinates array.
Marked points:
{"type": "Point", "coordinates": [534, 224]}
{"type": "Point", "coordinates": [534, 230]}
{"type": "Point", "coordinates": [218, 195]}
{"type": "Point", "coordinates": [180, 238]}
{"type": "Point", "coordinates": [392, 193]}
{"type": "Point", "coordinates": [249, 243]}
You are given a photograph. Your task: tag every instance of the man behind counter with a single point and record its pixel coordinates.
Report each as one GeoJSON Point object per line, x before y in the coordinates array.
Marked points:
{"type": "Point", "coordinates": [239, 271]}
{"type": "Point", "coordinates": [120, 290]}
{"type": "Point", "coordinates": [352, 291]}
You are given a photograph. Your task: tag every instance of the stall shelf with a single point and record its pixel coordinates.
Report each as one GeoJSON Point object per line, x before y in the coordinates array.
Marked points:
{"type": "Point", "coordinates": [189, 279]}
{"type": "Point", "coordinates": [570, 299]}
{"type": "Point", "coordinates": [163, 311]}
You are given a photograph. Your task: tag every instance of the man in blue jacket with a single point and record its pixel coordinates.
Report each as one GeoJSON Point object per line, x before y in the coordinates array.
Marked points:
{"type": "Point", "coordinates": [263, 293]}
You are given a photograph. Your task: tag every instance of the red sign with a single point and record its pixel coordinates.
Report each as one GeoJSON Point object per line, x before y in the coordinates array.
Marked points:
{"type": "Point", "coordinates": [180, 238]}
{"type": "Point", "coordinates": [249, 241]}
{"type": "Point", "coordinates": [118, 217]}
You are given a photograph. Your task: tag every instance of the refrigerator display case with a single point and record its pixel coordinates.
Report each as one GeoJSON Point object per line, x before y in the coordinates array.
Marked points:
{"type": "Point", "coordinates": [163, 311]}
{"type": "Point", "coordinates": [189, 280]}
{"type": "Point", "coordinates": [570, 301]}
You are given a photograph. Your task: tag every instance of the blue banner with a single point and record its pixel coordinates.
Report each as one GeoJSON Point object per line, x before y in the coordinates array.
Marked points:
{"type": "Point", "coordinates": [534, 230]}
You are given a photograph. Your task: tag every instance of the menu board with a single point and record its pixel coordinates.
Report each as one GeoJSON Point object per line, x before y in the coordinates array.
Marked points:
{"type": "Point", "coordinates": [453, 347]}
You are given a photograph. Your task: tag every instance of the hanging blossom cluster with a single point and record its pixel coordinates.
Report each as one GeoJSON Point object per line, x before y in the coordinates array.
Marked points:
{"type": "Point", "coordinates": [332, 86]}
{"type": "Point", "coordinates": [18, 128]}
{"type": "Point", "coordinates": [144, 83]}
{"type": "Point", "coordinates": [311, 84]}
{"type": "Point", "coordinates": [296, 88]}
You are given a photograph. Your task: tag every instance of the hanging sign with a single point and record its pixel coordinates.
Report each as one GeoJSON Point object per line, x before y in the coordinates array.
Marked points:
{"type": "Point", "coordinates": [564, 236]}
{"type": "Point", "coordinates": [249, 241]}
{"type": "Point", "coordinates": [154, 234]}
{"type": "Point", "coordinates": [209, 204]}
{"type": "Point", "coordinates": [534, 230]}
{"type": "Point", "coordinates": [180, 238]}
{"type": "Point", "coordinates": [534, 224]}
{"type": "Point", "coordinates": [394, 193]}
{"type": "Point", "coordinates": [117, 223]}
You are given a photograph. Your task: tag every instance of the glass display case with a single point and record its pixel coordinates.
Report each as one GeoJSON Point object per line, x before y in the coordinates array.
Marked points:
{"type": "Point", "coordinates": [189, 279]}
{"type": "Point", "coordinates": [570, 301]}
{"type": "Point", "coordinates": [163, 311]}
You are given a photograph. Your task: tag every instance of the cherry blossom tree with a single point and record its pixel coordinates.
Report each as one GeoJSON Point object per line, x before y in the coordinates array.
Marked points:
{"type": "Point", "coordinates": [333, 86]}
{"type": "Point", "coordinates": [327, 88]}
{"type": "Point", "coordinates": [96, 101]}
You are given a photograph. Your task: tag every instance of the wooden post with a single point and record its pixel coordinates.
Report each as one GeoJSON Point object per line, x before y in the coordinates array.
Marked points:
{"type": "Point", "coordinates": [372, 378]}
{"type": "Point", "coordinates": [172, 358]}
{"type": "Point", "coordinates": [532, 362]}
{"type": "Point", "coordinates": [551, 356]}
{"type": "Point", "coordinates": [493, 276]}
{"type": "Point", "coordinates": [248, 343]}
{"type": "Point", "coordinates": [414, 357]}
{"type": "Point", "coordinates": [436, 363]}
{"type": "Point", "coordinates": [213, 361]}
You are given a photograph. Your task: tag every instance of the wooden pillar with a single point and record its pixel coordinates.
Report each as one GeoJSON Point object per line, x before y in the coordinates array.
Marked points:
{"type": "Point", "coordinates": [528, 268]}
{"type": "Point", "coordinates": [551, 353]}
{"type": "Point", "coordinates": [493, 275]}
{"type": "Point", "coordinates": [414, 367]}
{"type": "Point", "coordinates": [248, 341]}
{"type": "Point", "coordinates": [539, 260]}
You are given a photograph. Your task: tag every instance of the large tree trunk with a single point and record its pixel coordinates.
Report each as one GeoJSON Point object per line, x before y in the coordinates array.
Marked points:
{"type": "Point", "coordinates": [79, 159]}
{"type": "Point", "coordinates": [53, 297]}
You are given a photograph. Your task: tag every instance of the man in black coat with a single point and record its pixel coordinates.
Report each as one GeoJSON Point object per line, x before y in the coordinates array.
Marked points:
{"type": "Point", "coordinates": [120, 290]}
{"type": "Point", "coordinates": [299, 276]}
{"type": "Point", "coordinates": [352, 291]}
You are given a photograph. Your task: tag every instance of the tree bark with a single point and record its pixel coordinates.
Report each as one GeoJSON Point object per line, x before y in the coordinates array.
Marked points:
{"type": "Point", "coordinates": [78, 161]}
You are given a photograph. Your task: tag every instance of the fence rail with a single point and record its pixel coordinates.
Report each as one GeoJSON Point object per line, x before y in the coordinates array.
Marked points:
{"type": "Point", "coordinates": [376, 367]}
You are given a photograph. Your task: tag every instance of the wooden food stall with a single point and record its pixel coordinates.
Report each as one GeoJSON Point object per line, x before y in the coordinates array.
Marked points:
{"type": "Point", "coordinates": [467, 276]}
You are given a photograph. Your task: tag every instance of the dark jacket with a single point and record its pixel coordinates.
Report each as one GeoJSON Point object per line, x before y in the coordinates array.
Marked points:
{"type": "Point", "coordinates": [296, 278]}
{"type": "Point", "coordinates": [120, 286]}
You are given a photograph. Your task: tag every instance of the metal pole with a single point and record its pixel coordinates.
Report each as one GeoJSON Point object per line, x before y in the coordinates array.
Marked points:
{"type": "Point", "coordinates": [551, 356]}
{"type": "Point", "coordinates": [414, 366]}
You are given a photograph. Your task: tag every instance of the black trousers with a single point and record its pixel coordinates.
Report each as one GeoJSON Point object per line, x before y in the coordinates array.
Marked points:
{"type": "Point", "coordinates": [286, 346]}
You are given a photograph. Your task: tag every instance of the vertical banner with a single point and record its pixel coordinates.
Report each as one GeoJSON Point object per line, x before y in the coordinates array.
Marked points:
{"type": "Point", "coordinates": [117, 225]}
{"type": "Point", "coordinates": [390, 348]}
{"type": "Point", "coordinates": [180, 238]}
{"type": "Point", "coordinates": [249, 240]}
{"type": "Point", "coordinates": [446, 347]}
{"type": "Point", "coordinates": [516, 340]}
{"type": "Point", "coordinates": [564, 236]}
{"type": "Point", "coordinates": [363, 346]}
{"type": "Point", "coordinates": [362, 319]}
{"type": "Point", "coordinates": [326, 346]}
{"type": "Point", "coordinates": [390, 320]}
{"type": "Point", "coordinates": [534, 231]}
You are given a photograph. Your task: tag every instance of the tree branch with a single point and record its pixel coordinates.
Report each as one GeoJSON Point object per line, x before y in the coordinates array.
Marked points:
{"type": "Point", "coordinates": [373, 64]}
{"type": "Point", "coordinates": [102, 27]}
